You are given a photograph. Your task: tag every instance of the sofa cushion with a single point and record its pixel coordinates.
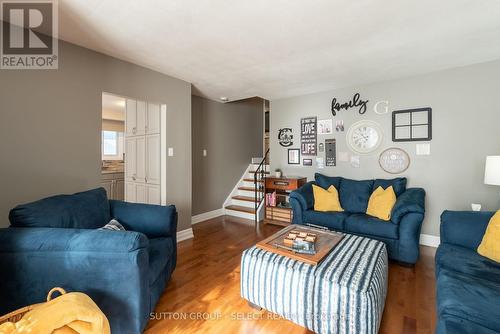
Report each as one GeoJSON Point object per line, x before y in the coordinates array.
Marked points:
{"type": "Point", "coordinates": [454, 325]}
{"type": "Point", "coordinates": [332, 220]}
{"type": "Point", "coordinates": [160, 251]}
{"type": "Point", "coordinates": [466, 261]}
{"type": "Point", "coordinates": [326, 181]}
{"type": "Point", "coordinates": [469, 298]}
{"type": "Point", "coordinates": [354, 195]}
{"type": "Point", "coordinates": [88, 209]}
{"type": "Point", "coordinates": [326, 200]}
{"type": "Point", "coordinates": [490, 244]}
{"type": "Point", "coordinates": [368, 225]}
{"type": "Point", "coordinates": [398, 184]}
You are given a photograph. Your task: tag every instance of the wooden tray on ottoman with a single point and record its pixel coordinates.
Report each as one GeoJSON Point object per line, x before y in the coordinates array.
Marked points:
{"type": "Point", "coordinates": [325, 242]}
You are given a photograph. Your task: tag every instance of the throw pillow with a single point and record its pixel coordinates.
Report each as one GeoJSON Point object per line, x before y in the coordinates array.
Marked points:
{"type": "Point", "coordinates": [381, 203]}
{"type": "Point", "coordinates": [326, 200]}
{"type": "Point", "coordinates": [490, 245]}
{"type": "Point", "coordinates": [113, 225]}
{"type": "Point", "coordinates": [398, 184]}
{"type": "Point", "coordinates": [326, 181]}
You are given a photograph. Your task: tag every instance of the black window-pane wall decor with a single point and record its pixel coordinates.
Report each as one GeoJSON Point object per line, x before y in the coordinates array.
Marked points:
{"type": "Point", "coordinates": [412, 125]}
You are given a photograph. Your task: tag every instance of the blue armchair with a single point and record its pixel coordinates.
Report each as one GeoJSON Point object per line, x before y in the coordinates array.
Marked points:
{"type": "Point", "coordinates": [55, 242]}
{"type": "Point", "coordinates": [468, 284]}
{"type": "Point", "coordinates": [401, 234]}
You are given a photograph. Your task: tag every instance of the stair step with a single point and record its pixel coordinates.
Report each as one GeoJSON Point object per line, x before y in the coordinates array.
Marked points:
{"type": "Point", "coordinates": [249, 189]}
{"type": "Point", "coordinates": [240, 208]}
{"type": "Point", "coordinates": [244, 198]}
{"type": "Point", "coordinates": [252, 180]}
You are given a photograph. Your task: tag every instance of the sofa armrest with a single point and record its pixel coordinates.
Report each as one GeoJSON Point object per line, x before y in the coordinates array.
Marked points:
{"type": "Point", "coordinates": [155, 221]}
{"type": "Point", "coordinates": [464, 228]}
{"type": "Point", "coordinates": [304, 196]}
{"type": "Point", "coordinates": [26, 239]}
{"type": "Point", "coordinates": [112, 267]}
{"type": "Point", "coordinates": [411, 201]}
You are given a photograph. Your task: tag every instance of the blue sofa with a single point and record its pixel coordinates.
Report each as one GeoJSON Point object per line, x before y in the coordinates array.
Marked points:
{"type": "Point", "coordinates": [468, 284]}
{"type": "Point", "coordinates": [401, 234]}
{"type": "Point", "coordinates": [56, 242]}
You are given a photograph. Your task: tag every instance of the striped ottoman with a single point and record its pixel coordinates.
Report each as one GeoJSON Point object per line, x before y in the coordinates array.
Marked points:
{"type": "Point", "coordinates": [345, 293]}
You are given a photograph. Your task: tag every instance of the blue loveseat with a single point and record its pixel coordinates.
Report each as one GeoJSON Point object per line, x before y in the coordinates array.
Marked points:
{"type": "Point", "coordinates": [401, 234]}
{"type": "Point", "coordinates": [468, 284]}
{"type": "Point", "coordinates": [56, 242]}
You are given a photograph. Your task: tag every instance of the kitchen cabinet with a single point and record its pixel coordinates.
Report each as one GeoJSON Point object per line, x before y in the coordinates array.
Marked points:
{"type": "Point", "coordinates": [130, 117]}
{"type": "Point", "coordinates": [143, 152]}
{"type": "Point", "coordinates": [153, 119]}
{"type": "Point", "coordinates": [114, 184]}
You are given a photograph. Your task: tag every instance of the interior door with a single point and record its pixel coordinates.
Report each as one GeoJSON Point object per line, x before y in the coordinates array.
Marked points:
{"type": "Point", "coordinates": [153, 162]}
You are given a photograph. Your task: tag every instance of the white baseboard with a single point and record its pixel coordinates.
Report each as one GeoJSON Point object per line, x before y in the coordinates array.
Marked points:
{"type": "Point", "coordinates": [429, 240]}
{"type": "Point", "coordinates": [185, 234]}
{"type": "Point", "coordinates": [207, 215]}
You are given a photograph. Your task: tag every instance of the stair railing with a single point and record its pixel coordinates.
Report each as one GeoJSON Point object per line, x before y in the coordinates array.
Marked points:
{"type": "Point", "coordinates": [259, 181]}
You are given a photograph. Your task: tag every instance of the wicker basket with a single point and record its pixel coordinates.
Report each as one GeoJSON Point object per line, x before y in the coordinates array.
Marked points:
{"type": "Point", "coordinates": [17, 315]}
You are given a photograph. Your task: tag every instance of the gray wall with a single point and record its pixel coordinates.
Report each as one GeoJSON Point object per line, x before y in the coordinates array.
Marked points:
{"type": "Point", "coordinates": [466, 118]}
{"type": "Point", "coordinates": [232, 133]}
{"type": "Point", "coordinates": [50, 125]}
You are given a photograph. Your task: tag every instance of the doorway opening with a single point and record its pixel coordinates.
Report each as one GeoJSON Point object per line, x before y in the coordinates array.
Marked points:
{"type": "Point", "coordinates": [113, 146]}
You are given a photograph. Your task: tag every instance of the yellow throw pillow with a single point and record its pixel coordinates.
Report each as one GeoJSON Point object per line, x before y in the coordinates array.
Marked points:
{"type": "Point", "coordinates": [381, 203]}
{"type": "Point", "coordinates": [490, 245]}
{"type": "Point", "coordinates": [326, 200]}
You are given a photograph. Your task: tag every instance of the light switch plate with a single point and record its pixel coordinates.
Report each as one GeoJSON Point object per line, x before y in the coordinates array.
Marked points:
{"type": "Point", "coordinates": [423, 149]}
{"type": "Point", "coordinates": [170, 151]}
{"type": "Point", "coordinates": [204, 153]}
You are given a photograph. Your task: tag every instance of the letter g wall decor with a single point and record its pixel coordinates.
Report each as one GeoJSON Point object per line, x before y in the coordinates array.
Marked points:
{"type": "Point", "coordinates": [356, 101]}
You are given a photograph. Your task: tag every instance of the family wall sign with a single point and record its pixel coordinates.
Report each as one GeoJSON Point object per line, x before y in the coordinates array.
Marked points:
{"type": "Point", "coordinates": [355, 102]}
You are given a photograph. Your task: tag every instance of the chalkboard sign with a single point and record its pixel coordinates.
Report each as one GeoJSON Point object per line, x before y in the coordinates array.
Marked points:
{"type": "Point", "coordinates": [308, 135]}
{"type": "Point", "coordinates": [331, 152]}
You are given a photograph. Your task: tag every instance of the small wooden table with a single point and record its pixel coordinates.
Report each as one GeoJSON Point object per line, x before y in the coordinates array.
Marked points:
{"type": "Point", "coordinates": [281, 213]}
{"type": "Point", "coordinates": [325, 242]}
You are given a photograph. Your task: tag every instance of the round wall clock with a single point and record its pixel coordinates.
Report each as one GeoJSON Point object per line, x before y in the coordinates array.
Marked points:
{"type": "Point", "coordinates": [394, 160]}
{"type": "Point", "coordinates": [364, 137]}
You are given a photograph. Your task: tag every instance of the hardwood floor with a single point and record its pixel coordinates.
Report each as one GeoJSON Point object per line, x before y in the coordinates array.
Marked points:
{"type": "Point", "coordinates": [203, 295]}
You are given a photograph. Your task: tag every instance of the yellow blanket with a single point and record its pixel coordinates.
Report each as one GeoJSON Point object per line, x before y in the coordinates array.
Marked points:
{"type": "Point", "coordinates": [72, 313]}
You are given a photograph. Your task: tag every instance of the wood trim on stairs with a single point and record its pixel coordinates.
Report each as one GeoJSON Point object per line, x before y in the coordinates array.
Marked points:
{"type": "Point", "coordinates": [240, 208]}
{"type": "Point", "coordinates": [244, 198]}
{"type": "Point", "coordinates": [249, 189]}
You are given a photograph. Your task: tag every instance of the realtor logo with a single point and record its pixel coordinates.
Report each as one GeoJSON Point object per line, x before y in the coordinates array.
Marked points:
{"type": "Point", "coordinates": [29, 34]}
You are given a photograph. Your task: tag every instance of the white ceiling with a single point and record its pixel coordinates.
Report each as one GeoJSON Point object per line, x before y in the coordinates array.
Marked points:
{"type": "Point", "coordinates": [282, 48]}
{"type": "Point", "coordinates": [113, 107]}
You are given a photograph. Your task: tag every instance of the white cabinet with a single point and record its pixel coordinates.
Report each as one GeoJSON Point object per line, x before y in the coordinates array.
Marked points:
{"type": "Point", "coordinates": [154, 196]}
{"type": "Point", "coordinates": [143, 144]}
{"type": "Point", "coordinates": [153, 123]}
{"type": "Point", "coordinates": [142, 193]}
{"type": "Point", "coordinates": [153, 163]}
{"type": "Point", "coordinates": [130, 159]}
{"type": "Point", "coordinates": [141, 118]}
{"type": "Point", "coordinates": [140, 158]}
{"type": "Point", "coordinates": [130, 117]}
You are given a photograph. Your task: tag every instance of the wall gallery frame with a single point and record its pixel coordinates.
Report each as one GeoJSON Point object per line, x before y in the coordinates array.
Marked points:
{"type": "Point", "coordinates": [412, 125]}
{"type": "Point", "coordinates": [308, 135]}
{"type": "Point", "coordinates": [294, 156]}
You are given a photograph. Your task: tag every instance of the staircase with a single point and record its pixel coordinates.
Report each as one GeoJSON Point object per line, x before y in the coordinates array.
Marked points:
{"type": "Point", "coordinates": [243, 201]}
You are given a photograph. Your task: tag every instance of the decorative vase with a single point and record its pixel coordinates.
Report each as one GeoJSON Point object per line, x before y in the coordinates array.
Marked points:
{"type": "Point", "coordinates": [277, 174]}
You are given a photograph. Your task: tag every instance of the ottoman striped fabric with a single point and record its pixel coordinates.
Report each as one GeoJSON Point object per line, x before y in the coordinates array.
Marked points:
{"type": "Point", "coordinates": [345, 293]}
